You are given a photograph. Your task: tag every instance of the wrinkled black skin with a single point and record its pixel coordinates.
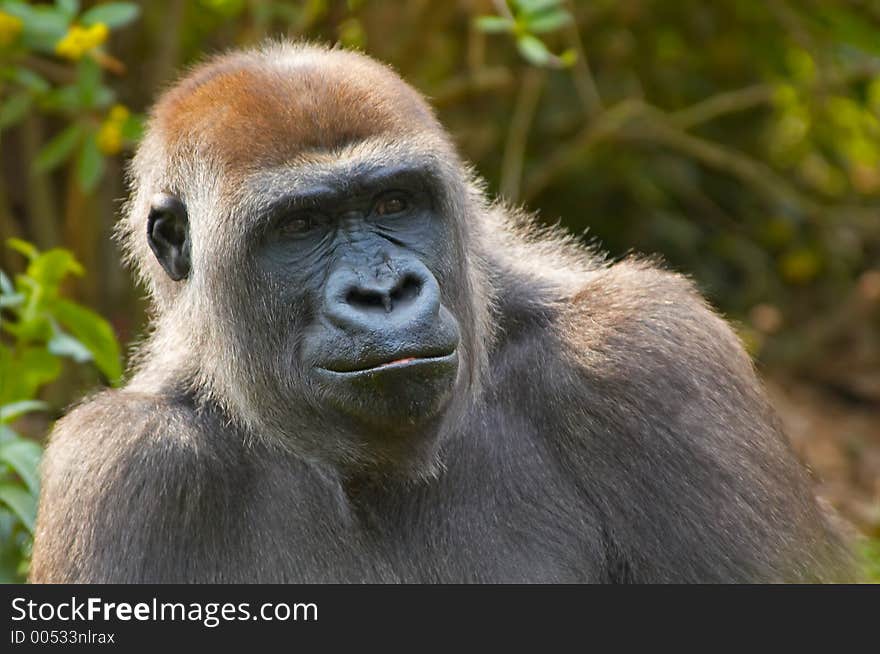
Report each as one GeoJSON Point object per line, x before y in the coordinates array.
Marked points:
{"type": "Point", "coordinates": [659, 462]}
{"type": "Point", "coordinates": [371, 282]}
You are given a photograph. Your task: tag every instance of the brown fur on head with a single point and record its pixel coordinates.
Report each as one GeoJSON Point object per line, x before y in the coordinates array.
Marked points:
{"type": "Point", "coordinates": [263, 107]}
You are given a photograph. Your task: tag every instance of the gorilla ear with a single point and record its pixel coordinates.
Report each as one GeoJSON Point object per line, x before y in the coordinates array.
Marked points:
{"type": "Point", "coordinates": [168, 235]}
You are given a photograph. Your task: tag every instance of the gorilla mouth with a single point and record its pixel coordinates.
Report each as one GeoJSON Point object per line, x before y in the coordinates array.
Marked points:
{"type": "Point", "coordinates": [394, 392]}
{"type": "Point", "coordinates": [371, 366]}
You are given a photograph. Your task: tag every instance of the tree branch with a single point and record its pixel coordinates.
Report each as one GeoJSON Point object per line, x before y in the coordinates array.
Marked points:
{"type": "Point", "coordinates": [604, 125]}
{"type": "Point", "coordinates": [760, 94]}
{"type": "Point", "coordinates": [517, 135]}
{"type": "Point", "coordinates": [582, 75]}
{"type": "Point", "coordinates": [721, 104]}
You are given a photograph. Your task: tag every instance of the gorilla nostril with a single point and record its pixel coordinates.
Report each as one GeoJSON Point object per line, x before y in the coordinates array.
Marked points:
{"type": "Point", "coordinates": [408, 289]}
{"type": "Point", "coordinates": [368, 300]}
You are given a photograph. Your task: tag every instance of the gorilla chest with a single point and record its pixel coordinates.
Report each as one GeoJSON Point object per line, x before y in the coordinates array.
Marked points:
{"type": "Point", "coordinates": [495, 526]}
{"type": "Point", "coordinates": [484, 544]}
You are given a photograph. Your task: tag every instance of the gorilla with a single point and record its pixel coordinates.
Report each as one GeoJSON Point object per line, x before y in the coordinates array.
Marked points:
{"type": "Point", "coordinates": [361, 369]}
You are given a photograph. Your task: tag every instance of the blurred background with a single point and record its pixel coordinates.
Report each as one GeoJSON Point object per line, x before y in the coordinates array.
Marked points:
{"type": "Point", "coordinates": [738, 140]}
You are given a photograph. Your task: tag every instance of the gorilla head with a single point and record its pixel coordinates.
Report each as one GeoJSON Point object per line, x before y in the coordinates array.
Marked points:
{"type": "Point", "coordinates": [311, 254]}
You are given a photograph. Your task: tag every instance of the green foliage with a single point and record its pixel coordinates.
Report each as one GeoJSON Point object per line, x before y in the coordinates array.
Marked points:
{"type": "Point", "coordinates": [90, 164]}
{"type": "Point", "coordinates": [524, 20]}
{"type": "Point", "coordinates": [111, 14]}
{"type": "Point", "coordinates": [61, 32]}
{"type": "Point", "coordinates": [59, 149]}
{"type": "Point", "coordinates": [870, 552]}
{"type": "Point", "coordinates": [47, 327]}
{"type": "Point", "coordinates": [40, 329]}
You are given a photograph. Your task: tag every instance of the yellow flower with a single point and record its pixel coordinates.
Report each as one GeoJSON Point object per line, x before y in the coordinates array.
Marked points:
{"type": "Point", "coordinates": [119, 113]}
{"type": "Point", "coordinates": [81, 40]}
{"type": "Point", "coordinates": [109, 137]}
{"type": "Point", "coordinates": [800, 266]}
{"type": "Point", "coordinates": [10, 28]}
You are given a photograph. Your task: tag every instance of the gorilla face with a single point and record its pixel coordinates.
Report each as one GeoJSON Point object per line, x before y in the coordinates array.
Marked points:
{"type": "Point", "coordinates": [339, 296]}
{"type": "Point", "coordinates": [363, 253]}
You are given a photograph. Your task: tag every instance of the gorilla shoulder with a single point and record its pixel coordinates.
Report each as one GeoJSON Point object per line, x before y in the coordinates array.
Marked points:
{"type": "Point", "coordinates": [634, 320]}
{"type": "Point", "coordinates": [676, 370]}
{"type": "Point", "coordinates": [117, 424]}
{"type": "Point", "coordinates": [631, 331]}
{"type": "Point", "coordinates": [106, 462]}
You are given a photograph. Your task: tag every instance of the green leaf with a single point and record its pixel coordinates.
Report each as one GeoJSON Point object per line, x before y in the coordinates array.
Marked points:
{"type": "Point", "coordinates": [51, 266]}
{"type": "Point", "coordinates": [30, 80]}
{"type": "Point", "coordinates": [23, 456]}
{"type": "Point", "coordinates": [494, 24]}
{"type": "Point", "coordinates": [533, 50]}
{"type": "Point", "coordinates": [6, 390]}
{"type": "Point", "coordinates": [10, 550]}
{"type": "Point", "coordinates": [58, 149]}
{"type": "Point", "coordinates": [13, 411]}
{"type": "Point", "coordinates": [16, 8]}
{"type": "Point", "coordinates": [849, 26]}
{"type": "Point", "coordinates": [68, 7]}
{"type": "Point", "coordinates": [95, 333]}
{"type": "Point", "coordinates": [23, 247]}
{"type": "Point", "coordinates": [548, 22]}
{"type": "Point", "coordinates": [65, 345]}
{"type": "Point", "coordinates": [32, 327]}
{"type": "Point", "coordinates": [12, 300]}
{"type": "Point", "coordinates": [89, 165]}
{"type": "Point", "coordinates": [8, 296]}
{"type": "Point", "coordinates": [7, 434]}
{"type": "Point", "coordinates": [88, 82]}
{"type": "Point", "coordinates": [44, 25]}
{"type": "Point", "coordinates": [14, 109]}
{"type": "Point", "coordinates": [64, 99]}
{"type": "Point", "coordinates": [534, 6]}
{"type": "Point", "coordinates": [35, 367]}
{"type": "Point", "coordinates": [112, 14]}
{"type": "Point", "coordinates": [36, 17]}
{"type": "Point", "coordinates": [133, 128]}
{"type": "Point", "coordinates": [22, 503]}
{"type": "Point", "coordinates": [104, 97]}
{"type": "Point", "coordinates": [568, 57]}
{"type": "Point", "coordinates": [6, 287]}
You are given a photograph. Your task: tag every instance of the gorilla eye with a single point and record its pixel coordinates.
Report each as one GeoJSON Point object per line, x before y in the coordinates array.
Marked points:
{"type": "Point", "coordinates": [391, 204]}
{"type": "Point", "coordinates": [298, 224]}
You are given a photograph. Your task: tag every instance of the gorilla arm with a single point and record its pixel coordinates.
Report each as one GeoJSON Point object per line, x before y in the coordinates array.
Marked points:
{"type": "Point", "coordinates": [143, 488]}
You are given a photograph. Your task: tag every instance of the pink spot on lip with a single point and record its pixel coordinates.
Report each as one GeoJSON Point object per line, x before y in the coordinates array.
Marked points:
{"type": "Point", "coordinates": [398, 361]}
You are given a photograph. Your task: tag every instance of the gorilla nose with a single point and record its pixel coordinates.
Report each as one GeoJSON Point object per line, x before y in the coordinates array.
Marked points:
{"type": "Point", "coordinates": [407, 298]}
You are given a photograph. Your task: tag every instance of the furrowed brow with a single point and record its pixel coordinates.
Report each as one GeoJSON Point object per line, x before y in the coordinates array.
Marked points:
{"type": "Point", "coordinates": [339, 185]}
